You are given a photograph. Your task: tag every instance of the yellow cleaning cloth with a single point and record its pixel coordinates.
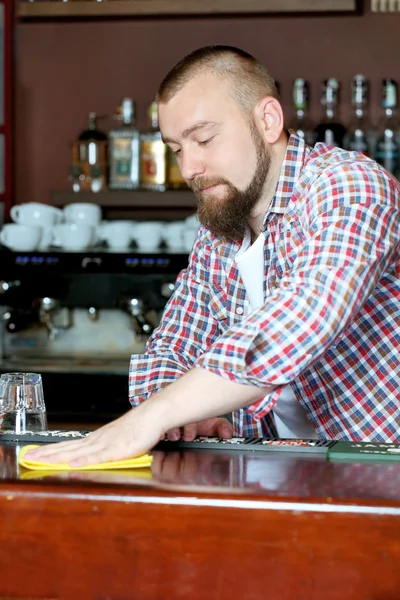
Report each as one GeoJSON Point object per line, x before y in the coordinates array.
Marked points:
{"type": "Point", "coordinates": [120, 476]}
{"type": "Point", "coordinates": [144, 460]}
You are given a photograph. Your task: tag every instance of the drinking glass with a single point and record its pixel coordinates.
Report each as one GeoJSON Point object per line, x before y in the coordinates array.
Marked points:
{"type": "Point", "coordinates": [22, 405]}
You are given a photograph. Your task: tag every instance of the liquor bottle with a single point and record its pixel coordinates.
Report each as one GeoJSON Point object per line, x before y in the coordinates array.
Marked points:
{"type": "Point", "coordinates": [174, 176]}
{"type": "Point", "coordinates": [330, 131]}
{"type": "Point", "coordinates": [76, 175]}
{"type": "Point", "coordinates": [359, 133]}
{"type": "Point", "coordinates": [89, 158]}
{"type": "Point", "coordinates": [387, 148]}
{"type": "Point", "coordinates": [301, 123]}
{"type": "Point", "coordinates": [153, 155]}
{"type": "Point", "coordinates": [124, 149]}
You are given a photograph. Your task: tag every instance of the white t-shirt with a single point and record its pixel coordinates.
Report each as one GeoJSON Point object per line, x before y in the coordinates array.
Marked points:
{"type": "Point", "coordinates": [290, 419]}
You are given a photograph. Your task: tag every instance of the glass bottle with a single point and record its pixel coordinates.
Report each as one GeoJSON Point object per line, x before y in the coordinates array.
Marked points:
{"type": "Point", "coordinates": [174, 176]}
{"type": "Point", "coordinates": [89, 153]}
{"type": "Point", "coordinates": [387, 148]}
{"type": "Point", "coordinates": [153, 155]}
{"type": "Point", "coordinates": [92, 142]}
{"type": "Point", "coordinates": [301, 123]}
{"type": "Point", "coordinates": [330, 131]}
{"type": "Point", "coordinates": [124, 149]}
{"type": "Point", "coordinates": [359, 133]}
{"type": "Point", "coordinates": [76, 176]}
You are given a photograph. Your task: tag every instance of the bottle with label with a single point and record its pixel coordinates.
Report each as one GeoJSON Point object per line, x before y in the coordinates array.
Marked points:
{"type": "Point", "coordinates": [124, 149]}
{"type": "Point", "coordinates": [387, 148]}
{"type": "Point", "coordinates": [153, 155]}
{"type": "Point", "coordinates": [174, 176]}
{"type": "Point", "coordinates": [330, 131]}
{"type": "Point", "coordinates": [301, 123]}
{"type": "Point", "coordinates": [360, 132]}
{"type": "Point", "coordinates": [89, 159]}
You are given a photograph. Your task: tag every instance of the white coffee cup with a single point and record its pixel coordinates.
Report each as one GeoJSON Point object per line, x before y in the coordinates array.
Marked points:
{"type": "Point", "coordinates": [21, 238]}
{"type": "Point", "coordinates": [192, 222]}
{"type": "Point", "coordinates": [172, 235]}
{"type": "Point", "coordinates": [73, 236]}
{"type": "Point", "coordinates": [35, 213]}
{"type": "Point", "coordinates": [148, 235]}
{"type": "Point", "coordinates": [47, 236]}
{"type": "Point", "coordinates": [117, 234]}
{"type": "Point", "coordinates": [83, 212]}
{"type": "Point", "coordinates": [189, 236]}
{"type": "Point", "coordinates": [191, 229]}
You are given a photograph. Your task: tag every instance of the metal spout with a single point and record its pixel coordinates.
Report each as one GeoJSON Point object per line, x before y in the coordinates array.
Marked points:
{"type": "Point", "coordinates": [136, 309]}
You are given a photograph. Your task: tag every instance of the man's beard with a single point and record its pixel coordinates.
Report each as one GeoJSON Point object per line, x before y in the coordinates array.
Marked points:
{"type": "Point", "coordinates": [227, 217]}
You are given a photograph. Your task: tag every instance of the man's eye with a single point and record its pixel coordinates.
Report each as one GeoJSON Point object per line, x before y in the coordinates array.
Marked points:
{"type": "Point", "coordinates": [177, 152]}
{"type": "Point", "coordinates": [206, 142]}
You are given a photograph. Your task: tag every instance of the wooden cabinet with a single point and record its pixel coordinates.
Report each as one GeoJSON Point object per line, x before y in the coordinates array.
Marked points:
{"type": "Point", "coordinates": [141, 8]}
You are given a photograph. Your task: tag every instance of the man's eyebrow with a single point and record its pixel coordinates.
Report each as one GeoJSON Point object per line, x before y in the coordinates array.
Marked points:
{"type": "Point", "coordinates": [186, 132]}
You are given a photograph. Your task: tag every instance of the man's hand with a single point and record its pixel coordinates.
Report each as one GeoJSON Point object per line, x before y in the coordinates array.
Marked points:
{"type": "Point", "coordinates": [218, 427]}
{"type": "Point", "coordinates": [131, 435]}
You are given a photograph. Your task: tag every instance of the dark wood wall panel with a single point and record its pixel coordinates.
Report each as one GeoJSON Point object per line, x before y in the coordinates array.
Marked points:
{"type": "Point", "coordinates": [66, 69]}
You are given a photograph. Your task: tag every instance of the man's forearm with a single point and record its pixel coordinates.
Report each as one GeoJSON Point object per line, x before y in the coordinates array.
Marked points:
{"type": "Point", "coordinates": [198, 395]}
{"type": "Point", "coordinates": [195, 396]}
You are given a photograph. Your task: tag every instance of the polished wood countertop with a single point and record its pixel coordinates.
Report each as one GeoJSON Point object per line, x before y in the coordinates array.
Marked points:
{"type": "Point", "coordinates": [215, 524]}
{"type": "Point", "coordinates": [243, 475]}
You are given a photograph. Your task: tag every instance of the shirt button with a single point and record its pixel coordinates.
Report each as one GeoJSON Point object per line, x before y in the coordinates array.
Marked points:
{"type": "Point", "coordinates": [239, 310]}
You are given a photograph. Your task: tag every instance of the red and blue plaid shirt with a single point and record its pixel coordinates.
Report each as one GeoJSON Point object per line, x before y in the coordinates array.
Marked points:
{"type": "Point", "coordinates": [330, 323]}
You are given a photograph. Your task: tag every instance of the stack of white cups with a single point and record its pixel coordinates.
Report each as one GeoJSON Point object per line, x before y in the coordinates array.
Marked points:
{"type": "Point", "coordinates": [32, 228]}
{"type": "Point", "coordinates": [79, 230]}
{"type": "Point", "coordinates": [78, 226]}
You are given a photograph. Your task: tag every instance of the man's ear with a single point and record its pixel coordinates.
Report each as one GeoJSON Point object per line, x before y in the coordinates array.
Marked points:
{"type": "Point", "coordinates": [269, 115]}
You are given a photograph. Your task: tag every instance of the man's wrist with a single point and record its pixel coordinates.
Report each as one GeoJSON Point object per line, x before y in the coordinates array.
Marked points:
{"type": "Point", "coordinates": [156, 410]}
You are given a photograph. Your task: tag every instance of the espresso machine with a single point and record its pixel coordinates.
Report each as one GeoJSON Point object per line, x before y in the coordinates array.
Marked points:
{"type": "Point", "coordinates": [76, 318]}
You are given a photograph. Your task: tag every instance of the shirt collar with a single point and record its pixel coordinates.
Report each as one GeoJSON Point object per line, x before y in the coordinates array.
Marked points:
{"type": "Point", "coordinates": [295, 157]}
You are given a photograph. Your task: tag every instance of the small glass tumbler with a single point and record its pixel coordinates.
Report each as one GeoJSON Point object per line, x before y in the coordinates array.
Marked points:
{"type": "Point", "coordinates": [22, 405]}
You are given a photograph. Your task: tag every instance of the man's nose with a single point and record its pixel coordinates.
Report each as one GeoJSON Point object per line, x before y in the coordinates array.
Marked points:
{"type": "Point", "coordinates": [191, 166]}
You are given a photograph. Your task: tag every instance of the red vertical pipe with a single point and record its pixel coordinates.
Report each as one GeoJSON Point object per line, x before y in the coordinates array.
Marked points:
{"type": "Point", "coordinates": [7, 128]}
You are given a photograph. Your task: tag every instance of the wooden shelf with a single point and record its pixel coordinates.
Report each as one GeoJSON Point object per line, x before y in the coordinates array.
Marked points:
{"type": "Point", "coordinates": [129, 199]}
{"type": "Point", "coordinates": [142, 8]}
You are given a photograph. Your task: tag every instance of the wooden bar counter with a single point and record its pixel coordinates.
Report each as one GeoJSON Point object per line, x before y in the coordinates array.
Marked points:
{"type": "Point", "coordinates": [202, 525]}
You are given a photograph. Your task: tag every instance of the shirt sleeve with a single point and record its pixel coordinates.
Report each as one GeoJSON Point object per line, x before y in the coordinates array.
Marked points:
{"type": "Point", "coordinates": [348, 232]}
{"type": "Point", "coordinates": [185, 332]}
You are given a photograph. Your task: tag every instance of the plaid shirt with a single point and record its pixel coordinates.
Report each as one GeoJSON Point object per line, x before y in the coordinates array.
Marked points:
{"type": "Point", "coordinates": [330, 324]}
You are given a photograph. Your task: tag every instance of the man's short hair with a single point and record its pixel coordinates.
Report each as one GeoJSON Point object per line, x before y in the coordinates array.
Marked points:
{"type": "Point", "coordinates": [249, 79]}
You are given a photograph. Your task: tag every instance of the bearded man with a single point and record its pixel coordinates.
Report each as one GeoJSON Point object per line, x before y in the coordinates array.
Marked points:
{"type": "Point", "coordinates": [288, 312]}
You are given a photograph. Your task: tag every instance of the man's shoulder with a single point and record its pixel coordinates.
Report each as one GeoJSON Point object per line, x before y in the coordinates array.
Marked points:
{"type": "Point", "coordinates": [332, 165]}
{"type": "Point", "coordinates": [323, 157]}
